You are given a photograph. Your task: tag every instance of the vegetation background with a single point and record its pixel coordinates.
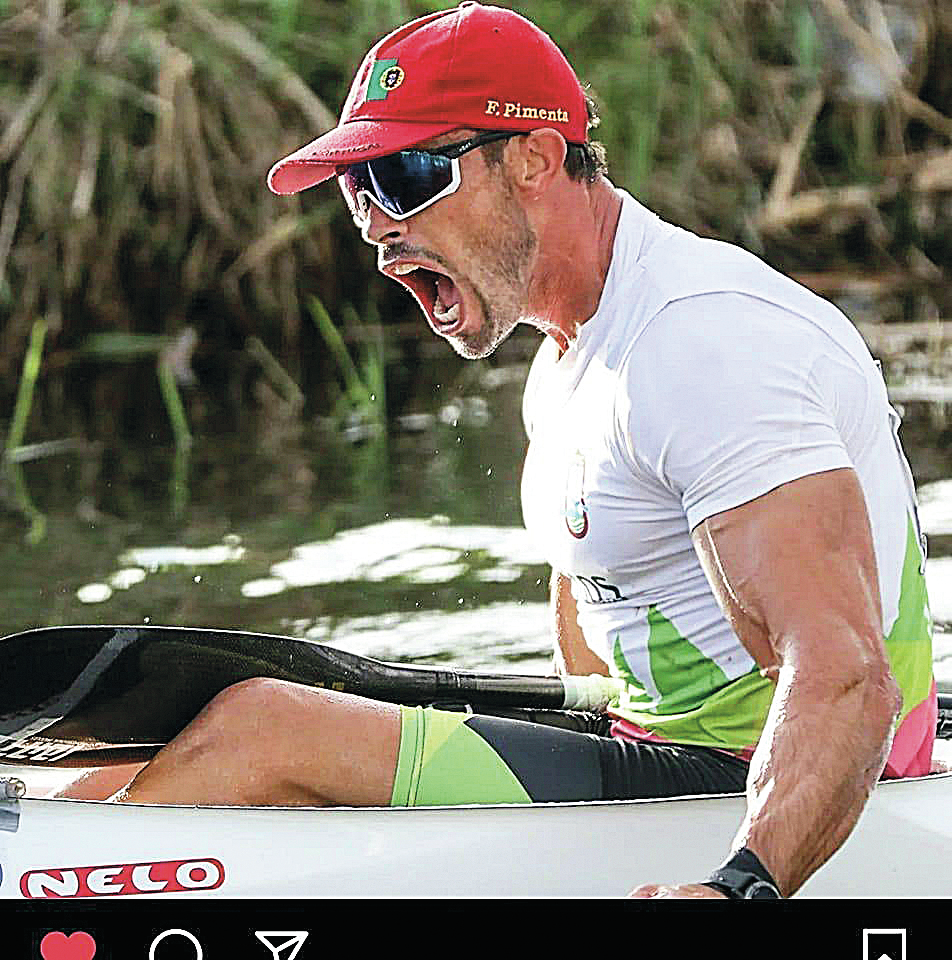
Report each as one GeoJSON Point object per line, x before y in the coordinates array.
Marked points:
{"type": "Point", "coordinates": [151, 287]}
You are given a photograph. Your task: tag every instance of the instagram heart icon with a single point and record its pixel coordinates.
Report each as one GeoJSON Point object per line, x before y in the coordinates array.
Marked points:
{"type": "Point", "coordinates": [77, 946]}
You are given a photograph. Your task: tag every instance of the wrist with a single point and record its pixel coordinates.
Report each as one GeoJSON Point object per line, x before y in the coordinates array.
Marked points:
{"type": "Point", "coordinates": [743, 877]}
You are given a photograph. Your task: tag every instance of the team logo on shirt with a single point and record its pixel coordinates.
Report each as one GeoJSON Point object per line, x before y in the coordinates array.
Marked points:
{"type": "Point", "coordinates": [576, 514]}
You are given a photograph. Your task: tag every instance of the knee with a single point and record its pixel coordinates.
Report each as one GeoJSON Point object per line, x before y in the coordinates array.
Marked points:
{"type": "Point", "coordinates": [227, 754]}
{"type": "Point", "coordinates": [247, 694]}
{"type": "Point", "coordinates": [250, 705]}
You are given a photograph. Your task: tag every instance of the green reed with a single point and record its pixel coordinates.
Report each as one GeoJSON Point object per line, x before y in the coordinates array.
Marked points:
{"type": "Point", "coordinates": [118, 347]}
{"type": "Point", "coordinates": [178, 482]}
{"type": "Point", "coordinates": [21, 414]}
{"type": "Point", "coordinates": [356, 390]}
{"type": "Point", "coordinates": [362, 404]}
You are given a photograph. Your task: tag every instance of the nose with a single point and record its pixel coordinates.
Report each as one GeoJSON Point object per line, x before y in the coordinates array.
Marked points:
{"type": "Point", "coordinates": [378, 228]}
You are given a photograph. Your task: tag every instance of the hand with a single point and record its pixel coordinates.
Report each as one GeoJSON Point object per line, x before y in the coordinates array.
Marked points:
{"type": "Point", "coordinates": [676, 891]}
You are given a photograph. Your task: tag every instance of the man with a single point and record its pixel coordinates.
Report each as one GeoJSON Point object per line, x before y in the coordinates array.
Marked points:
{"type": "Point", "coordinates": [713, 469]}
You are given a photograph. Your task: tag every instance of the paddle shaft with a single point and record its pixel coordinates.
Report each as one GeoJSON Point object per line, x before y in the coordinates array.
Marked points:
{"type": "Point", "coordinates": [63, 653]}
{"type": "Point", "coordinates": [64, 689]}
{"type": "Point", "coordinates": [140, 685]}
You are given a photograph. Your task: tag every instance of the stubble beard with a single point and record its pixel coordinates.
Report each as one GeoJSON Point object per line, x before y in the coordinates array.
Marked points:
{"type": "Point", "coordinates": [501, 285]}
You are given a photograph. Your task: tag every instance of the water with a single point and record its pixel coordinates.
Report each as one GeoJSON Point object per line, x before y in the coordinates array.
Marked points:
{"type": "Point", "coordinates": [407, 546]}
{"type": "Point", "coordinates": [404, 547]}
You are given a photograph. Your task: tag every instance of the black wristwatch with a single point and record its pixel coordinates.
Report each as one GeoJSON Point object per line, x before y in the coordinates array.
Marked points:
{"type": "Point", "coordinates": [744, 877]}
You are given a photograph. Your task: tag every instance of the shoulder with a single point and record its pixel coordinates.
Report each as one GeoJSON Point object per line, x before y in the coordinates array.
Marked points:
{"type": "Point", "coordinates": [719, 338]}
{"type": "Point", "coordinates": [664, 277]}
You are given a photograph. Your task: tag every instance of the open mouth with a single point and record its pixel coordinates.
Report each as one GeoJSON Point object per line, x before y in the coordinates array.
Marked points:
{"type": "Point", "coordinates": [435, 291]}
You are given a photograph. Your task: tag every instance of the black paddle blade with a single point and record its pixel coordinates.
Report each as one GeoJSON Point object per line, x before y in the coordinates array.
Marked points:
{"type": "Point", "coordinates": [98, 687]}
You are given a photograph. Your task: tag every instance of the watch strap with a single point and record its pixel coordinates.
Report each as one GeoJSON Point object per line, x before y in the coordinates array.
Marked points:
{"type": "Point", "coordinates": [743, 877]}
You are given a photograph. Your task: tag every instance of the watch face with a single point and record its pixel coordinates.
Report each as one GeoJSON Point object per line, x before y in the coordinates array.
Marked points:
{"type": "Point", "coordinates": [761, 890]}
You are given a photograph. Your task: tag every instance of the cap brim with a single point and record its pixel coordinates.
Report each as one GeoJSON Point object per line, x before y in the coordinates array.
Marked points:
{"type": "Point", "coordinates": [348, 143]}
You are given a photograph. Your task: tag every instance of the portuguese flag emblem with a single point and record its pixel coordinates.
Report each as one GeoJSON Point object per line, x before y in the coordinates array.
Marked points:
{"type": "Point", "coordinates": [384, 77]}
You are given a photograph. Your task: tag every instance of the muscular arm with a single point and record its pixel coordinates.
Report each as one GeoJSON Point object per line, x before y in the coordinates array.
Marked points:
{"type": "Point", "coordinates": [573, 656]}
{"type": "Point", "coordinates": [795, 573]}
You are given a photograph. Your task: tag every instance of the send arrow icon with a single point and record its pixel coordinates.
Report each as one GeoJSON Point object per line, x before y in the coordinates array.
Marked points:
{"type": "Point", "coordinates": [283, 944]}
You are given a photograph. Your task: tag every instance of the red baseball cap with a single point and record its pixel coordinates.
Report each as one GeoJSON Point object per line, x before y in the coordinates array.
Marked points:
{"type": "Point", "coordinates": [476, 66]}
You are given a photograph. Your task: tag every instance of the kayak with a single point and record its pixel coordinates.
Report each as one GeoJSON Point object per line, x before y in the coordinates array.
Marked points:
{"type": "Point", "coordinates": [53, 848]}
{"type": "Point", "coordinates": [50, 848]}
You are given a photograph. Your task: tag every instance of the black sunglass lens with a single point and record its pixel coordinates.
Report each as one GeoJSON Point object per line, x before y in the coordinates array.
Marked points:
{"type": "Point", "coordinates": [406, 180]}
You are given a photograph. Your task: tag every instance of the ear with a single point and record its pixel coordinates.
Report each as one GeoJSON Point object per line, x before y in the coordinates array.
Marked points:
{"type": "Point", "coordinates": [537, 160]}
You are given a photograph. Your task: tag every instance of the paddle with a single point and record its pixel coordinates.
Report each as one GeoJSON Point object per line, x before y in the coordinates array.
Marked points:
{"type": "Point", "coordinates": [90, 688]}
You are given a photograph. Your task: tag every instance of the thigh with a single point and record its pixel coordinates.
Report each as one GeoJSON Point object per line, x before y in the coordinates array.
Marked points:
{"type": "Point", "coordinates": [450, 758]}
{"type": "Point", "coordinates": [272, 742]}
{"type": "Point", "coordinates": [454, 758]}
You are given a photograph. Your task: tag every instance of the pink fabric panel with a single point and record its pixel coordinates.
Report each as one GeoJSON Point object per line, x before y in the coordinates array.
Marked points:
{"type": "Point", "coordinates": [911, 754]}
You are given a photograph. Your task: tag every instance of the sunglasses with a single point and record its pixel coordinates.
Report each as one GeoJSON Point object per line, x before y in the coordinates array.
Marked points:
{"type": "Point", "coordinates": [409, 181]}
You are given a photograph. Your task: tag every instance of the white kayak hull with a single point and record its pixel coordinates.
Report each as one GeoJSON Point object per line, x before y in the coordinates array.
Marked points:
{"type": "Point", "coordinates": [902, 847]}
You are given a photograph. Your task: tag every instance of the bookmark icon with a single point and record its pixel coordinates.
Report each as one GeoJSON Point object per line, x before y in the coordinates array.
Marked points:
{"type": "Point", "coordinates": [283, 944]}
{"type": "Point", "coordinates": [884, 944]}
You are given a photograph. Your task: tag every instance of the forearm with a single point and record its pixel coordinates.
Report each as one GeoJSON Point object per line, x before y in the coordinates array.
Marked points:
{"type": "Point", "coordinates": [573, 656]}
{"type": "Point", "coordinates": [823, 749]}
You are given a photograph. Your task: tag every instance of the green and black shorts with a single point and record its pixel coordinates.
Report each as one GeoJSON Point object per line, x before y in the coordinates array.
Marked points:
{"type": "Point", "coordinates": [449, 758]}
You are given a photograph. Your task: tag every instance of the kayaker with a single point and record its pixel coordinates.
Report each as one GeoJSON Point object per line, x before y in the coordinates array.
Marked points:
{"type": "Point", "coordinates": [714, 471]}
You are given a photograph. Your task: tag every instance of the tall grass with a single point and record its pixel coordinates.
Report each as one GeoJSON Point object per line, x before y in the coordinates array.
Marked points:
{"type": "Point", "coordinates": [135, 142]}
{"type": "Point", "coordinates": [135, 139]}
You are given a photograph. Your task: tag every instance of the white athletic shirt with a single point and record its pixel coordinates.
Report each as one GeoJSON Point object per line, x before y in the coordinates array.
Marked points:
{"type": "Point", "coordinates": [705, 379]}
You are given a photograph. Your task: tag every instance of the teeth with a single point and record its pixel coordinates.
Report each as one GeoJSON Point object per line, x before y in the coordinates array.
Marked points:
{"type": "Point", "coordinates": [446, 317]}
{"type": "Point", "coordinates": [404, 268]}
